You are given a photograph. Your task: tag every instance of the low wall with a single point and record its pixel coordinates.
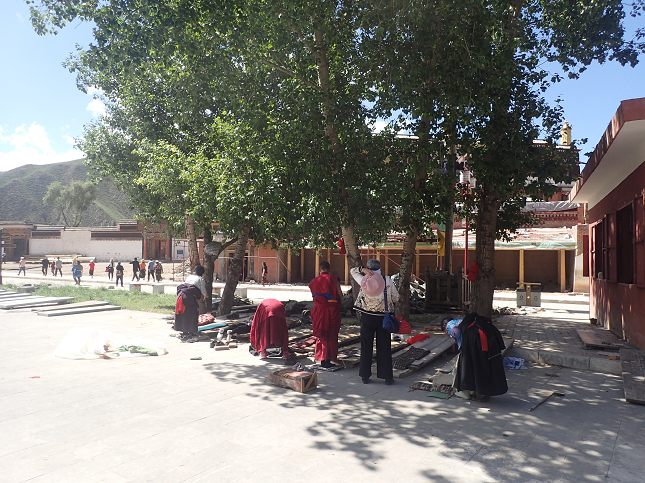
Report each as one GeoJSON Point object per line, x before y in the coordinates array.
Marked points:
{"type": "Point", "coordinates": [79, 241]}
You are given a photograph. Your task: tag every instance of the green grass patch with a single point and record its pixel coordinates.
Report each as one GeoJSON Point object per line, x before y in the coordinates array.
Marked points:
{"type": "Point", "coordinates": [146, 302]}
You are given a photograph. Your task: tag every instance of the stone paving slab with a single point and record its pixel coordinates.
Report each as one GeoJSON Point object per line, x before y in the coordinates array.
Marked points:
{"type": "Point", "coordinates": [172, 419]}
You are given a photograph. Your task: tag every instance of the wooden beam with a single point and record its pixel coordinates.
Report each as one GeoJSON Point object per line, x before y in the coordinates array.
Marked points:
{"type": "Point", "coordinates": [387, 263]}
{"type": "Point", "coordinates": [289, 265]}
{"type": "Point", "coordinates": [562, 265]}
{"type": "Point", "coordinates": [346, 271]}
{"type": "Point", "coordinates": [329, 255]}
{"type": "Point", "coordinates": [417, 256]}
{"type": "Point", "coordinates": [521, 280]}
{"type": "Point", "coordinates": [317, 266]}
{"type": "Point", "coordinates": [302, 264]}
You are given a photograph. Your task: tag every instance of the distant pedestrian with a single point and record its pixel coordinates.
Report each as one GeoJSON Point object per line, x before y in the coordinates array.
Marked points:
{"type": "Point", "coordinates": [52, 265]}
{"type": "Point", "coordinates": [158, 270]}
{"type": "Point", "coordinates": [4, 257]}
{"type": "Point", "coordinates": [265, 273]}
{"type": "Point", "coordinates": [135, 269]}
{"type": "Point", "coordinates": [142, 269]}
{"type": "Point", "coordinates": [119, 274]}
{"type": "Point", "coordinates": [22, 267]}
{"type": "Point", "coordinates": [77, 271]}
{"type": "Point", "coordinates": [45, 265]}
{"type": "Point", "coordinates": [92, 265]}
{"type": "Point", "coordinates": [59, 267]}
{"type": "Point", "coordinates": [110, 269]}
{"type": "Point", "coordinates": [151, 270]}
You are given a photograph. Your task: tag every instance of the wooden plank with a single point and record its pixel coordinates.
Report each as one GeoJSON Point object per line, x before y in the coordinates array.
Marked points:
{"type": "Point", "coordinates": [32, 303]}
{"type": "Point", "coordinates": [599, 339]}
{"type": "Point", "coordinates": [79, 310]}
{"type": "Point", "coordinates": [632, 363]}
{"type": "Point", "coordinates": [89, 303]}
{"type": "Point", "coordinates": [21, 300]}
{"type": "Point", "coordinates": [434, 353]}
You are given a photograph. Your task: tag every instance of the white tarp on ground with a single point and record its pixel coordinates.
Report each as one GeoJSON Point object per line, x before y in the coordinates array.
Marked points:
{"type": "Point", "coordinates": [93, 343]}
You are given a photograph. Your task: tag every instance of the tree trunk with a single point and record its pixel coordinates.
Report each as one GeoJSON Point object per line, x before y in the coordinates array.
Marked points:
{"type": "Point", "coordinates": [191, 233]}
{"type": "Point", "coordinates": [484, 286]}
{"type": "Point", "coordinates": [405, 271]}
{"type": "Point", "coordinates": [234, 270]}
{"type": "Point", "coordinates": [209, 264]}
{"type": "Point", "coordinates": [353, 255]}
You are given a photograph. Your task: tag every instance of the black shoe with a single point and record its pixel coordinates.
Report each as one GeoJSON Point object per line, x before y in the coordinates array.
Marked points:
{"type": "Point", "coordinates": [366, 380]}
{"type": "Point", "coordinates": [326, 364]}
{"type": "Point", "coordinates": [389, 382]}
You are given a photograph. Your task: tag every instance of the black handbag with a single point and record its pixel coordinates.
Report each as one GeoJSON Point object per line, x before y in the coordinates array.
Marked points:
{"type": "Point", "coordinates": [390, 322]}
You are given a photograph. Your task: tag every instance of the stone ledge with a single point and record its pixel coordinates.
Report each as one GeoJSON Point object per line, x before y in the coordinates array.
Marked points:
{"type": "Point", "coordinates": [564, 359]}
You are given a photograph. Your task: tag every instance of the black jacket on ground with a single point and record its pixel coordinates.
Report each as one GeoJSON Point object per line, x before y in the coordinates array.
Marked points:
{"type": "Point", "coordinates": [478, 370]}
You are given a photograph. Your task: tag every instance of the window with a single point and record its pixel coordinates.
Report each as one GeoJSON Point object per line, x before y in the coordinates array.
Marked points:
{"type": "Point", "coordinates": [597, 254]}
{"type": "Point", "coordinates": [625, 244]}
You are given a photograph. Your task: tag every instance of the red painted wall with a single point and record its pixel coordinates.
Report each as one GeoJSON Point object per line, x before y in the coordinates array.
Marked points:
{"type": "Point", "coordinates": [618, 306]}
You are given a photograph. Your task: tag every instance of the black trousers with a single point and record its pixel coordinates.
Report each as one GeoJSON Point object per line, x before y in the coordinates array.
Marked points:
{"type": "Point", "coordinates": [372, 325]}
{"type": "Point", "coordinates": [119, 277]}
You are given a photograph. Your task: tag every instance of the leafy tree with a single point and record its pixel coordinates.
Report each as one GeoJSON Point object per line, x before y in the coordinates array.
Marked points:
{"type": "Point", "coordinates": [71, 201]}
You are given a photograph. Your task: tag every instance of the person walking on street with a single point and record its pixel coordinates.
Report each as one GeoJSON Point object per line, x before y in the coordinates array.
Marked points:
{"type": "Point", "coordinates": [142, 269]}
{"type": "Point", "coordinates": [4, 257]}
{"type": "Point", "coordinates": [110, 269]}
{"type": "Point", "coordinates": [158, 270]}
{"type": "Point", "coordinates": [325, 315]}
{"type": "Point", "coordinates": [151, 270]}
{"type": "Point", "coordinates": [22, 267]}
{"type": "Point", "coordinates": [135, 269]}
{"type": "Point", "coordinates": [265, 274]}
{"type": "Point", "coordinates": [370, 303]}
{"type": "Point", "coordinates": [59, 267]}
{"type": "Point", "coordinates": [92, 265]}
{"type": "Point", "coordinates": [119, 274]}
{"type": "Point", "coordinates": [45, 265]}
{"type": "Point", "coordinates": [77, 271]}
{"type": "Point", "coordinates": [52, 266]}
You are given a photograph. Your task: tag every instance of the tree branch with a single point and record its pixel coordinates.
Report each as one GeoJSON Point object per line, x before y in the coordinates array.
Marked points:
{"type": "Point", "coordinates": [290, 73]}
{"type": "Point", "coordinates": [301, 36]}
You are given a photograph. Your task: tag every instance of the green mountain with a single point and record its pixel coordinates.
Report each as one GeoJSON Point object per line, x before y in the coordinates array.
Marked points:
{"type": "Point", "coordinates": [22, 190]}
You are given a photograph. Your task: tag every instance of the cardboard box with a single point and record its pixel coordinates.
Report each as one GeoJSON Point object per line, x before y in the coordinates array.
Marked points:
{"type": "Point", "coordinates": [300, 381]}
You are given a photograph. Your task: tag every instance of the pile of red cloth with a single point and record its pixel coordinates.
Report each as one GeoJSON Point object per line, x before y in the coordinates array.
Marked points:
{"type": "Point", "coordinates": [417, 338]}
{"type": "Point", "coordinates": [205, 319]}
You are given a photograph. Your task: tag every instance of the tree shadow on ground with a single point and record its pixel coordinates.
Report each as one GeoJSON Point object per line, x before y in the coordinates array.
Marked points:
{"type": "Point", "coordinates": [563, 440]}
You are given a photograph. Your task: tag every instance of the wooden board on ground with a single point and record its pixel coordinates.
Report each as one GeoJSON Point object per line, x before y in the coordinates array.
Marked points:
{"type": "Point", "coordinates": [89, 303]}
{"type": "Point", "coordinates": [14, 296]}
{"type": "Point", "coordinates": [633, 371]}
{"type": "Point", "coordinates": [215, 325]}
{"type": "Point", "coordinates": [33, 301]}
{"type": "Point", "coordinates": [300, 381]}
{"type": "Point", "coordinates": [79, 310]}
{"type": "Point", "coordinates": [600, 339]}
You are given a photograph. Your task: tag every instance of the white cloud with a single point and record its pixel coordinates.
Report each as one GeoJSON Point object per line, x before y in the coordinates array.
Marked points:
{"type": "Point", "coordinates": [69, 139]}
{"type": "Point", "coordinates": [93, 90]}
{"type": "Point", "coordinates": [378, 126]}
{"type": "Point", "coordinates": [97, 107]}
{"type": "Point", "coordinates": [30, 146]}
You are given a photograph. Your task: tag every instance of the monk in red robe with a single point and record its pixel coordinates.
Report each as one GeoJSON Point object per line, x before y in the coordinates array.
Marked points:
{"type": "Point", "coordinates": [326, 291]}
{"type": "Point", "coordinates": [269, 328]}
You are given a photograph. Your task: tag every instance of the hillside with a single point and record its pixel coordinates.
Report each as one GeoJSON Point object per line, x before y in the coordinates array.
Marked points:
{"type": "Point", "coordinates": [22, 190]}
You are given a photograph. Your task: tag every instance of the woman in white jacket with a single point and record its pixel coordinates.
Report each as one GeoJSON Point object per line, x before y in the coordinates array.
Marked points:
{"type": "Point", "coordinates": [370, 304]}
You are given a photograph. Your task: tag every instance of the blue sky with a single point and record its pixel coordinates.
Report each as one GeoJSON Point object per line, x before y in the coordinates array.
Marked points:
{"type": "Point", "coordinates": [42, 111]}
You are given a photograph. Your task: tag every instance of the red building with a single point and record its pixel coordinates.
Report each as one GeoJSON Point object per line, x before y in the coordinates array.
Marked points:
{"type": "Point", "coordinates": [613, 186]}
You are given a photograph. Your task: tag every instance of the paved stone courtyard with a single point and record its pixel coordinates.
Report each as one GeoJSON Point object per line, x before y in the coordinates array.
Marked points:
{"type": "Point", "coordinates": [172, 419]}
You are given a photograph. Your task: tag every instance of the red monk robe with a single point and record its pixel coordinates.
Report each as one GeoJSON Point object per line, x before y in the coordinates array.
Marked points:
{"type": "Point", "coordinates": [325, 315]}
{"type": "Point", "coordinates": [269, 327]}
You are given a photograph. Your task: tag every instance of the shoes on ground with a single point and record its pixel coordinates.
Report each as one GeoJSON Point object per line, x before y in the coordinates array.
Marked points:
{"type": "Point", "coordinates": [366, 380]}
{"type": "Point", "coordinates": [389, 382]}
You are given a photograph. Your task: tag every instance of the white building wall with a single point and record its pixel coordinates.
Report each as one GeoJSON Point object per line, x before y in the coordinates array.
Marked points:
{"type": "Point", "coordinates": [580, 282]}
{"type": "Point", "coordinates": [80, 242]}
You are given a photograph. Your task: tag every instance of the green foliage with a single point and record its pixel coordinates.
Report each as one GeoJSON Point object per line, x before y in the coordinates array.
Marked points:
{"type": "Point", "coordinates": [72, 200]}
